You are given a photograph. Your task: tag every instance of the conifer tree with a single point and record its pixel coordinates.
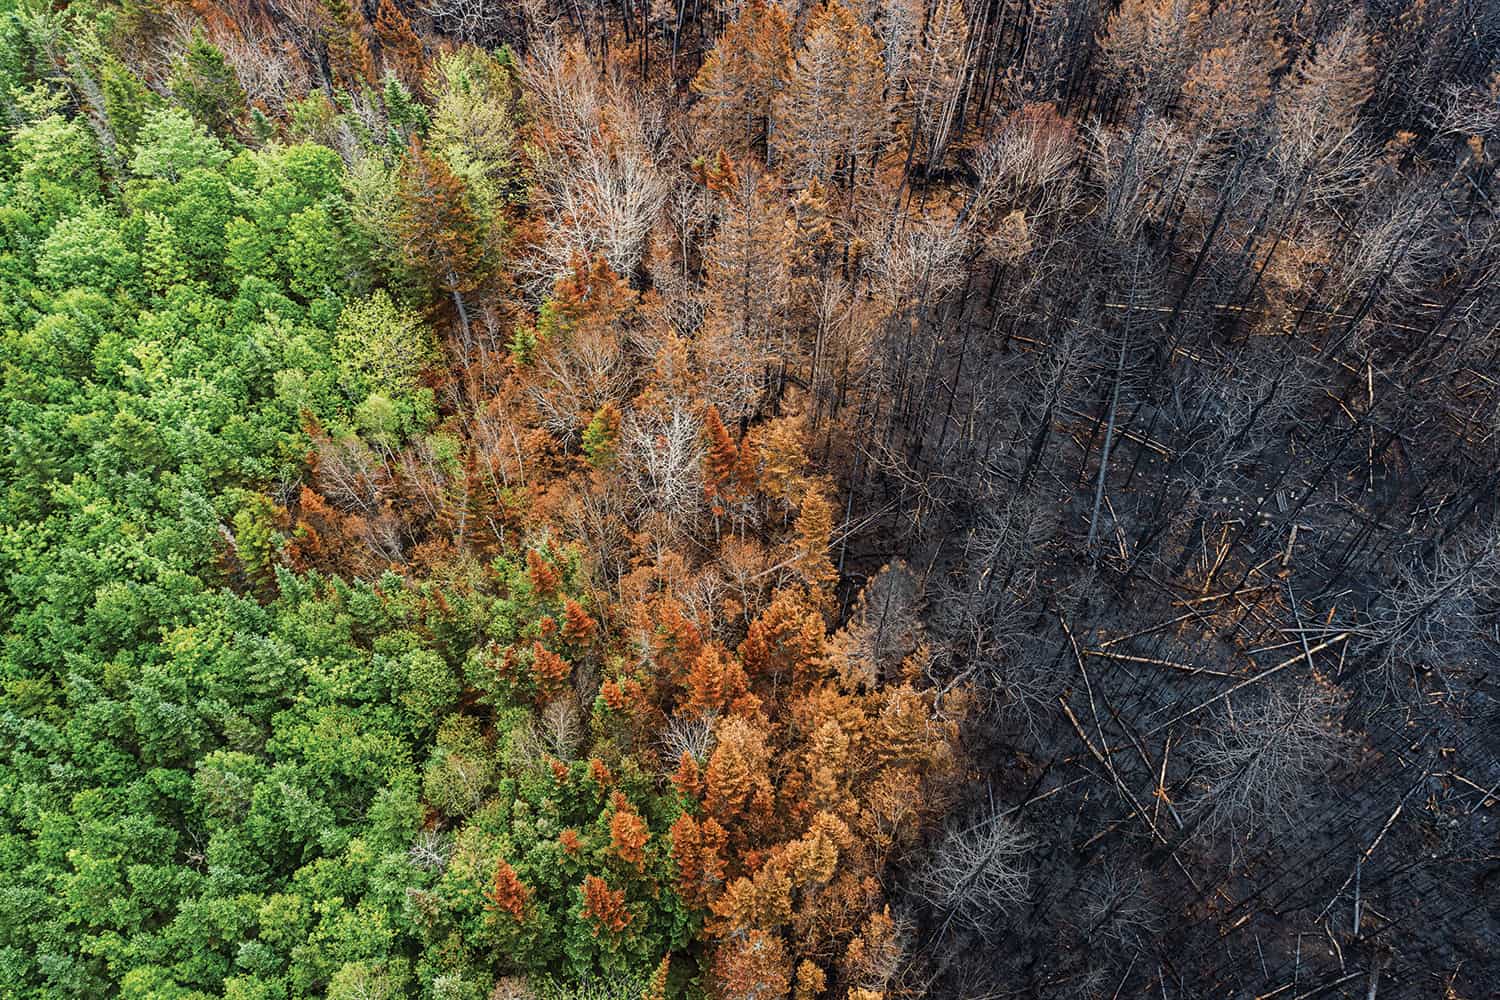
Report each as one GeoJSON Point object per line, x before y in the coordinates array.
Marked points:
{"type": "Point", "coordinates": [1149, 44]}
{"type": "Point", "coordinates": [754, 967]}
{"type": "Point", "coordinates": [656, 988]}
{"type": "Point", "coordinates": [257, 543]}
{"type": "Point", "coordinates": [786, 639]}
{"type": "Point", "coordinates": [440, 236]}
{"type": "Point", "coordinates": [698, 851]}
{"type": "Point", "coordinates": [400, 47]}
{"type": "Point", "coordinates": [508, 892]}
{"type": "Point", "coordinates": [604, 907]}
{"type": "Point", "coordinates": [578, 627]}
{"type": "Point", "coordinates": [746, 289]}
{"type": "Point", "coordinates": [834, 113]}
{"type": "Point", "coordinates": [1230, 83]}
{"type": "Point", "coordinates": [737, 785]}
{"type": "Point", "coordinates": [349, 55]}
{"type": "Point", "coordinates": [716, 683]}
{"type": "Point", "coordinates": [627, 832]}
{"type": "Point", "coordinates": [742, 77]}
{"type": "Point", "coordinates": [935, 82]}
{"type": "Point", "coordinates": [205, 84]}
{"type": "Point", "coordinates": [720, 463]}
{"type": "Point", "coordinates": [550, 672]}
{"type": "Point", "coordinates": [814, 531]}
{"type": "Point", "coordinates": [601, 438]}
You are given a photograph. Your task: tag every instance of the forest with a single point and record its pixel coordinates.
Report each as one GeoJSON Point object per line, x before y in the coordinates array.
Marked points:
{"type": "Point", "coordinates": [749, 500]}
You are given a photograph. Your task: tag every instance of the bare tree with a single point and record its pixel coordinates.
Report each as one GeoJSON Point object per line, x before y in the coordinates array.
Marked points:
{"type": "Point", "coordinates": [479, 22]}
{"type": "Point", "coordinates": [1255, 767]}
{"type": "Point", "coordinates": [599, 178]}
{"type": "Point", "coordinates": [1027, 162]}
{"type": "Point", "coordinates": [1118, 907]}
{"type": "Point", "coordinates": [561, 727]}
{"type": "Point", "coordinates": [661, 456]}
{"type": "Point", "coordinates": [431, 850]}
{"type": "Point", "coordinates": [578, 374]}
{"type": "Point", "coordinates": [1439, 613]}
{"type": "Point", "coordinates": [686, 734]}
{"type": "Point", "coordinates": [975, 875]}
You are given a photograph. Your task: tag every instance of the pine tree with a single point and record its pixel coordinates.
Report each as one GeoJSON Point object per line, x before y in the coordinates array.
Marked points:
{"type": "Point", "coordinates": [813, 237]}
{"type": "Point", "coordinates": [627, 832]}
{"type": "Point", "coordinates": [737, 785]}
{"type": "Point", "coordinates": [205, 84]}
{"type": "Point", "coordinates": [698, 852]}
{"type": "Point", "coordinates": [811, 980]}
{"type": "Point", "coordinates": [1229, 84]}
{"type": "Point", "coordinates": [814, 531]}
{"type": "Point", "coordinates": [935, 82]}
{"type": "Point", "coordinates": [762, 900]}
{"type": "Point", "coordinates": [742, 77]}
{"type": "Point", "coordinates": [440, 236]}
{"type": "Point", "coordinates": [1148, 45]}
{"type": "Point", "coordinates": [716, 683]}
{"type": "Point", "coordinates": [549, 672]}
{"type": "Point", "coordinates": [834, 113]}
{"type": "Point", "coordinates": [400, 48]}
{"type": "Point", "coordinates": [786, 640]}
{"type": "Point", "coordinates": [578, 627]}
{"type": "Point", "coordinates": [257, 543]}
{"type": "Point", "coordinates": [720, 463]}
{"type": "Point", "coordinates": [674, 639]}
{"type": "Point", "coordinates": [604, 907]}
{"type": "Point", "coordinates": [508, 892]}
{"type": "Point", "coordinates": [542, 575]}
{"type": "Point", "coordinates": [601, 438]}
{"type": "Point", "coordinates": [777, 452]}
{"type": "Point", "coordinates": [688, 778]}
{"type": "Point", "coordinates": [600, 774]}
{"type": "Point", "coordinates": [752, 967]}
{"type": "Point", "coordinates": [127, 101]}
{"type": "Point", "coordinates": [656, 989]}
{"type": "Point", "coordinates": [814, 857]}
{"type": "Point", "coordinates": [1318, 107]}
{"type": "Point", "coordinates": [349, 55]}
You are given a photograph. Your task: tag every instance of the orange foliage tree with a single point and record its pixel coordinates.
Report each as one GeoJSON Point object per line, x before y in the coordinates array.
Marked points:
{"type": "Point", "coordinates": [441, 237]}
{"type": "Point", "coordinates": [604, 907]}
{"type": "Point", "coordinates": [508, 893]}
{"type": "Point", "coordinates": [627, 832]}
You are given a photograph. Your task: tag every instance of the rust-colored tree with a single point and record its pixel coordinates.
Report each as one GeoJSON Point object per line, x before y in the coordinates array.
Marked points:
{"type": "Point", "coordinates": [549, 672]}
{"type": "Point", "coordinates": [627, 832]}
{"type": "Point", "coordinates": [742, 77]}
{"type": "Point", "coordinates": [508, 893]}
{"type": "Point", "coordinates": [835, 112]}
{"type": "Point", "coordinates": [737, 785]}
{"type": "Point", "coordinates": [720, 463]}
{"type": "Point", "coordinates": [604, 908]}
{"type": "Point", "coordinates": [441, 237]}
{"type": "Point", "coordinates": [785, 641]}
{"type": "Point", "coordinates": [716, 683]}
{"type": "Point", "coordinates": [698, 852]}
{"type": "Point", "coordinates": [400, 46]}
{"type": "Point", "coordinates": [753, 967]}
